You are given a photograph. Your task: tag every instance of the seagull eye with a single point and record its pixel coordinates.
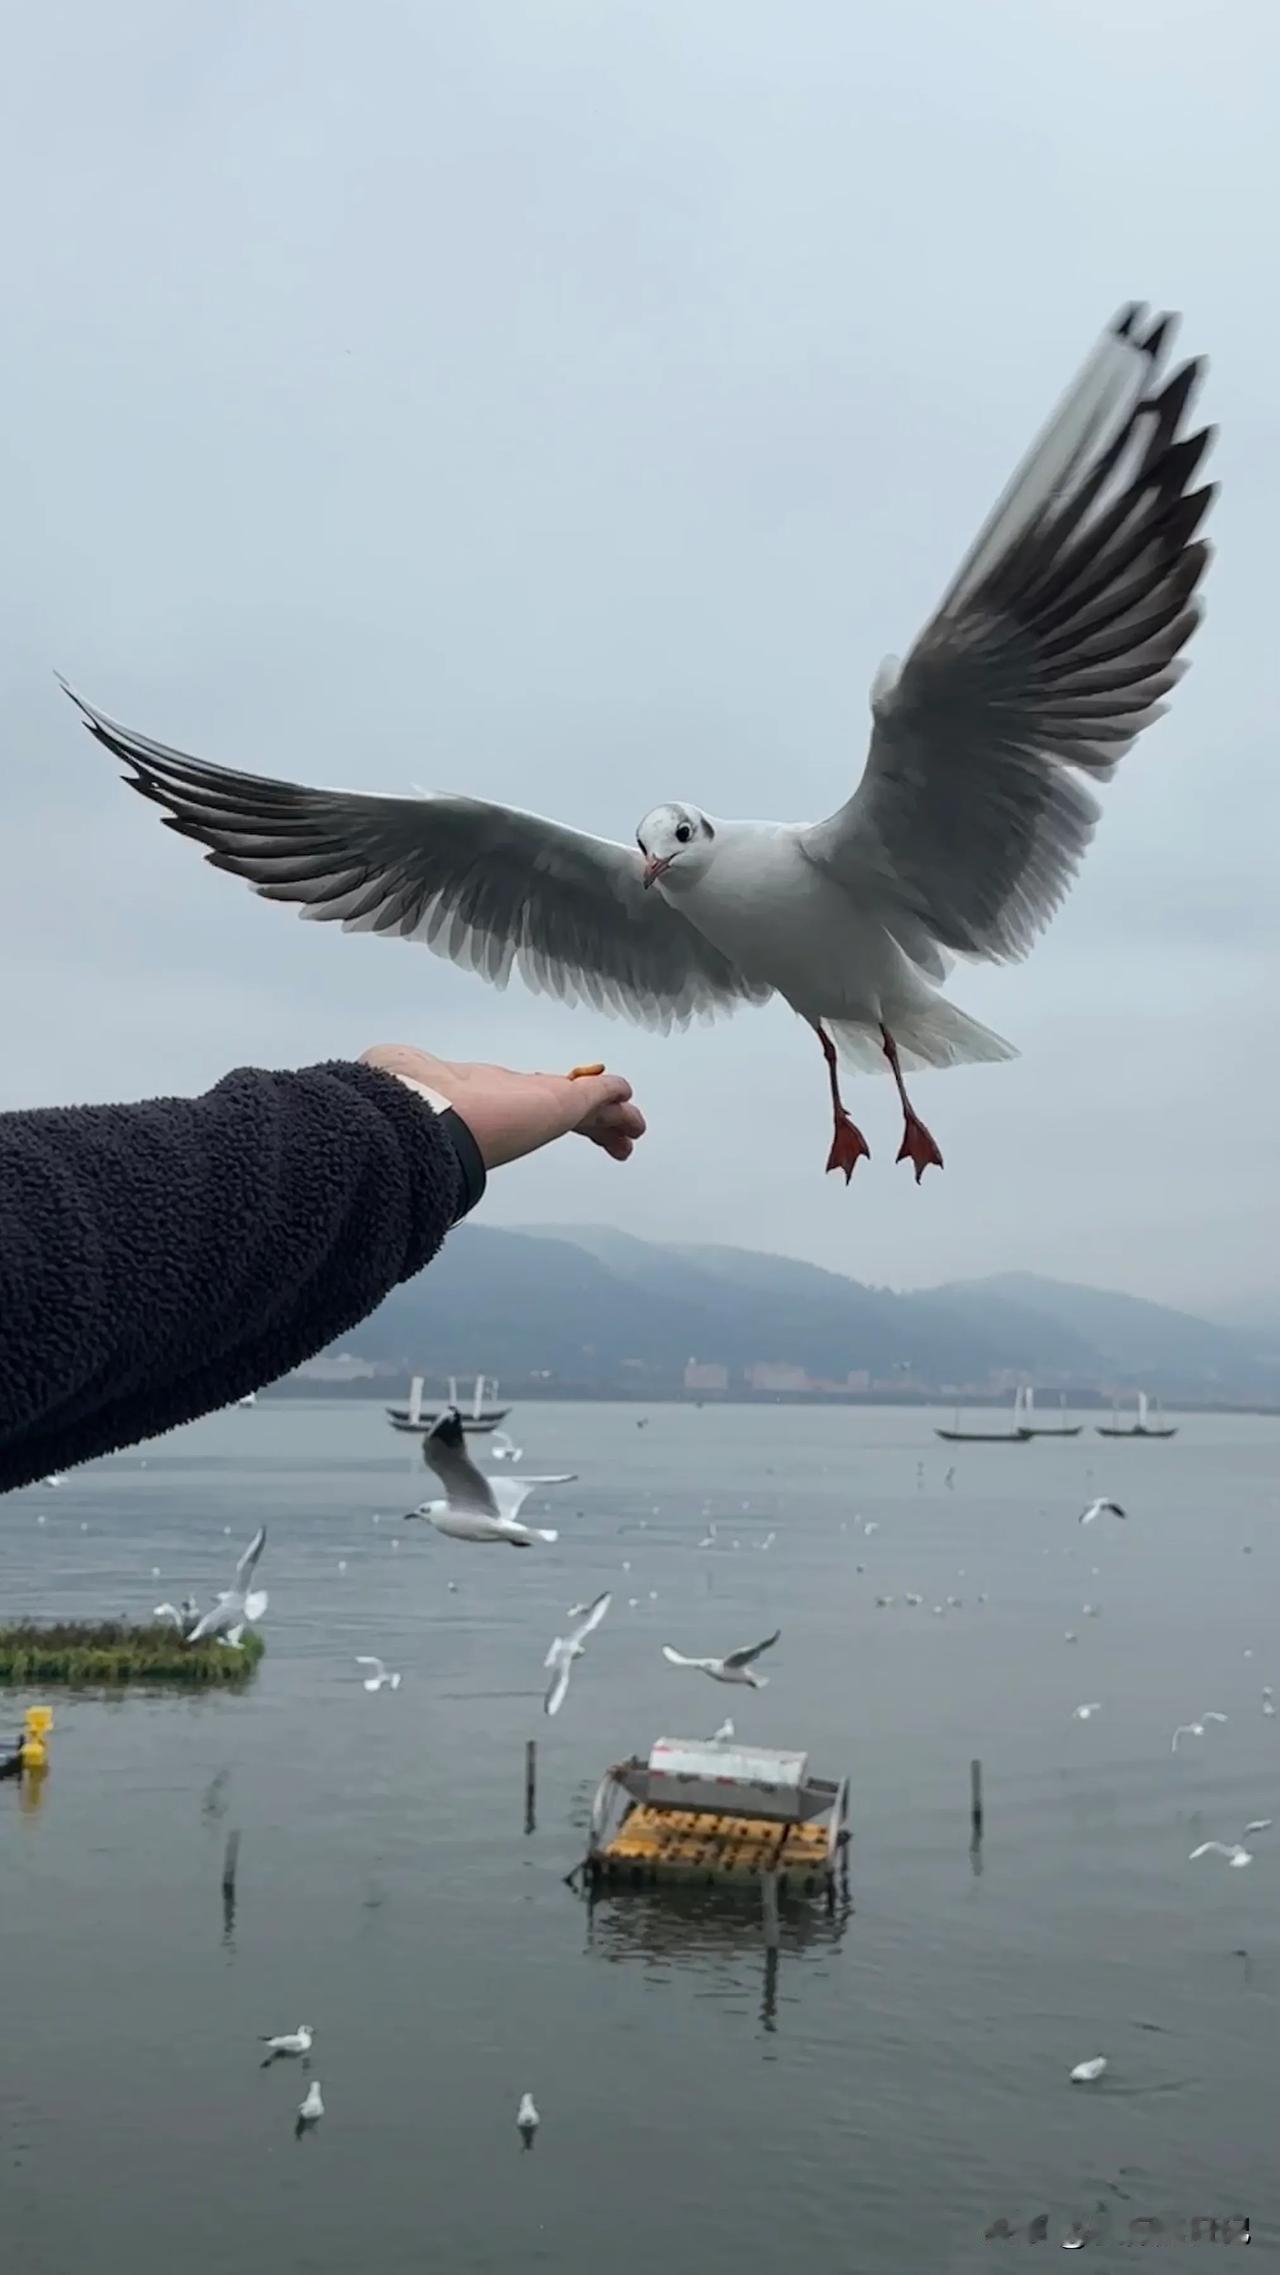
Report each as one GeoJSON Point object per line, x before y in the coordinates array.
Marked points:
{"type": "Point", "coordinates": [684, 833]}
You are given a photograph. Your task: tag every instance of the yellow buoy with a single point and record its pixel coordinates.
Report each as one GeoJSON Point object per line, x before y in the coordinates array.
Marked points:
{"type": "Point", "coordinates": [37, 1723]}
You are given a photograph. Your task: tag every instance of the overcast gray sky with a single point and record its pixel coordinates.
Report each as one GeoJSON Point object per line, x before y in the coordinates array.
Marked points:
{"type": "Point", "coordinates": [572, 401]}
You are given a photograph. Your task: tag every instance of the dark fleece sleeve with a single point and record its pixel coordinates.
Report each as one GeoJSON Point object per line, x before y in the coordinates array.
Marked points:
{"type": "Point", "coordinates": [160, 1260]}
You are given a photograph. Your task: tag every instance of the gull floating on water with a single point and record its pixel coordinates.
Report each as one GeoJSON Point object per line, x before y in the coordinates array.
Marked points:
{"type": "Point", "coordinates": [527, 2118]}
{"type": "Point", "coordinates": [1050, 653]}
{"type": "Point", "coordinates": [310, 2108]}
{"type": "Point", "coordinates": [289, 2044]}
{"type": "Point", "coordinates": [477, 1508]}
{"type": "Point", "coordinates": [1194, 1729]}
{"type": "Point", "coordinates": [1233, 1851]}
{"type": "Point", "coordinates": [566, 1648]}
{"type": "Point", "coordinates": [239, 1604]}
{"type": "Point", "coordinates": [735, 1667]}
{"type": "Point", "coordinates": [1098, 1509]}
{"type": "Point", "coordinates": [1086, 2073]}
{"type": "Point", "coordinates": [380, 1677]}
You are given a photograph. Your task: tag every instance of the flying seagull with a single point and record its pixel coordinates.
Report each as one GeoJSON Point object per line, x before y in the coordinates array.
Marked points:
{"type": "Point", "coordinates": [1050, 652]}
{"type": "Point", "coordinates": [476, 1507]}
{"type": "Point", "coordinates": [380, 1679]}
{"type": "Point", "coordinates": [238, 1604]}
{"type": "Point", "coordinates": [1195, 1729]}
{"type": "Point", "coordinates": [1232, 1850]}
{"type": "Point", "coordinates": [735, 1667]}
{"type": "Point", "coordinates": [1098, 1509]}
{"type": "Point", "coordinates": [566, 1648]}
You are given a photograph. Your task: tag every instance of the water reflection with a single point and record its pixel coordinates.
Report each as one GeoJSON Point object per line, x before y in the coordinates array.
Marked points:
{"type": "Point", "coordinates": [716, 1934]}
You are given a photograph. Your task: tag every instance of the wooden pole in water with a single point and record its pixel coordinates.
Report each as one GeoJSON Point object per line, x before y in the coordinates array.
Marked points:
{"type": "Point", "coordinates": [975, 1799]}
{"type": "Point", "coordinates": [230, 1867]}
{"type": "Point", "coordinates": [769, 1906]}
{"type": "Point", "coordinates": [530, 1785]}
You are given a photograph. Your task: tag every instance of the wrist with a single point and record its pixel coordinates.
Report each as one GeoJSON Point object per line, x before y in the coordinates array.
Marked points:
{"type": "Point", "coordinates": [471, 1165]}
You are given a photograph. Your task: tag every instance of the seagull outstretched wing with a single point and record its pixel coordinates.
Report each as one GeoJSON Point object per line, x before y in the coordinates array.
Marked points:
{"type": "Point", "coordinates": [750, 1651]}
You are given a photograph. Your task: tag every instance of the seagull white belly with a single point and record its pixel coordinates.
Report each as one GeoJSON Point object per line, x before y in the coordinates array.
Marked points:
{"type": "Point", "coordinates": [780, 919]}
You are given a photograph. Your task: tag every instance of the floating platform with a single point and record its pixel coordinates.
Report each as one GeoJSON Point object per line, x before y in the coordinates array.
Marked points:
{"type": "Point", "coordinates": [96, 1653]}
{"type": "Point", "coordinates": [707, 1815]}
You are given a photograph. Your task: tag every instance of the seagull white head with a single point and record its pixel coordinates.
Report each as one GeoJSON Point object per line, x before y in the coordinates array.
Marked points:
{"type": "Point", "coordinates": [676, 833]}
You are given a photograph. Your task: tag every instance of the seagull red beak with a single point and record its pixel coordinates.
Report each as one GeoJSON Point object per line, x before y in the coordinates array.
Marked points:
{"type": "Point", "coordinates": [655, 869]}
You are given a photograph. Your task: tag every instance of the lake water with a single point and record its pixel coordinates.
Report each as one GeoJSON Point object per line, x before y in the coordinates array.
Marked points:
{"type": "Point", "coordinates": [900, 2084]}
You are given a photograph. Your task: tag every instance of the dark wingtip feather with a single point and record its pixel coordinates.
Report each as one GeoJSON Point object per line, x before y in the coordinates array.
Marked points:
{"type": "Point", "coordinates": [1158, 338]}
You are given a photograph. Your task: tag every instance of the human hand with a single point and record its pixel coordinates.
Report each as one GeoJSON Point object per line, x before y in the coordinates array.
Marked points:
{"type": "Point", "coordinates": [510, 1114]}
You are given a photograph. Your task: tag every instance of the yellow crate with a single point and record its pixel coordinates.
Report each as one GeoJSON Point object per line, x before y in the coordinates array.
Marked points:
{"type": "Point", "coordinates": [689, 1844]}
{"type": "Point", "coordinates": [804, 1848]}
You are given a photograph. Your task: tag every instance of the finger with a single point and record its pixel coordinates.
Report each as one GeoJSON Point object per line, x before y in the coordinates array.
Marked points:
{"type": "Point", "coordinates": [613, 1142]}
{"type": "Point", "coordinates": [625, 1117]}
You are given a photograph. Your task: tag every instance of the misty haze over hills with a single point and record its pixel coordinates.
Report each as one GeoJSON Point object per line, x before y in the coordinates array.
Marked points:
{"type": "Point", "coordinates": [593, 1310]}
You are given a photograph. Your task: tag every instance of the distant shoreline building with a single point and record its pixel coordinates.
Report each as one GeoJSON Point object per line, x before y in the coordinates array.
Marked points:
{"type": "Point", "coordinates": [704, 1375]}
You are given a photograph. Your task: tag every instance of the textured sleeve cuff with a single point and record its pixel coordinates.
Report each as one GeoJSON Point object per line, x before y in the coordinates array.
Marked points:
{"type": "Point", "coordinates": [470, 1164]}
{"type": "Point", "coordinates": [474, 1174]}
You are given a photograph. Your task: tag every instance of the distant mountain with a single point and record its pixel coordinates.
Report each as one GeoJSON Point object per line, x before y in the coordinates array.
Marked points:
{"type": "Point", "coordinates": [594, 1309]}
{"type": "Point", "coordinates": [1257, 1318]}
{"type": "Point", "coordinates": [1137, 1342]}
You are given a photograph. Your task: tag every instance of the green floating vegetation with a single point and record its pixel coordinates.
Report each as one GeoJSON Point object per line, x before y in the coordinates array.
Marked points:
{"type": "Point", "coordinates": [113, 1651]}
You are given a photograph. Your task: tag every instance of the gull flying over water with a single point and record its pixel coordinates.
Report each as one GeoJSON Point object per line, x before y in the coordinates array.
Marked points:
{"type": "Point", "coordinates": [735, 1667]}
{"type": "Point", "coordinates": [476, 1507]}
{"type": "Point", "coordinates": [1235, 1853]}
{"type": "Point", "coordinates": [239, 1604]}
{"type": "Point", "coordinates": [1195, 1729]}
{"type": "Point", "coordinates": [1086, 1712]}
{"type": "Point", "coordinates": [380, 1679]}
{"type": "Point", "coordinates": [1098, 1509]}
{"type": "Point", "coordinates": [1050, 652]}
{"type": "Point", "coordinates": [566, 1648]}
